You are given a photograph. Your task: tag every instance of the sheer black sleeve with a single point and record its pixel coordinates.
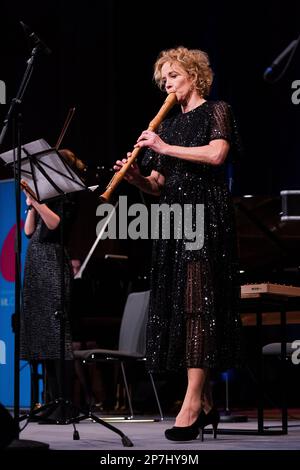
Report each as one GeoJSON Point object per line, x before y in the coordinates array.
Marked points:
{"type": "Point", "coordinates": [223, 125]}
{"type": "Point", "coordinates": [221, 122]}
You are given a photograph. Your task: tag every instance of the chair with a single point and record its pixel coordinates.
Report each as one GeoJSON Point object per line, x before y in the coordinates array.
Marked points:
{"type": "Point", "coordinates": [132, 342]}
{"type": "Point", "coordinates": [274, 349]}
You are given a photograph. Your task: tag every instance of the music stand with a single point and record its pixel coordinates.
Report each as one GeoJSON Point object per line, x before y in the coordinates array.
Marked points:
{"type": "Point", "coordinates": [45, 172]}
{"type": "Point", "coordinates": [46, 175]}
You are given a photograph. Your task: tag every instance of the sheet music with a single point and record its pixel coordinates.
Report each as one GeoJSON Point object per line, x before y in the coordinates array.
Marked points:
{"type": "Point", "coordinates": [63, 177]}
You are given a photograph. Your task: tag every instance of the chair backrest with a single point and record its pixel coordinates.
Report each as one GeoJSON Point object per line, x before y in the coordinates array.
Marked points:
{"type": "Point", "coordinates": [274, 349]}
{"type": "Point", "coordinates": [132, 338]}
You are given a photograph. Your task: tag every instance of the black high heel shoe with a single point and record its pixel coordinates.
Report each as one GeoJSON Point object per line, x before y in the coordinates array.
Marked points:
{"type": "Point", "coordinates": [212, 417]}
{"type": "Point", "coordinates": [186, 433]}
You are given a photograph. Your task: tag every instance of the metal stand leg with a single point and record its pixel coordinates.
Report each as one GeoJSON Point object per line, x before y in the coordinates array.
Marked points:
{"type": "Point", "coordinates": [156, 396]}
{"type": "Point", "coordinates": [226, 416]}
{"type": "Point", "coordinates": [283, 356]}
{"type": "Point", "coordinates": [260, 387]}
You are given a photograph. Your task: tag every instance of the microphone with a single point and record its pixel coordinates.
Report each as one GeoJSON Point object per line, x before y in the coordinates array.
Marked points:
{"type": "Point", "coordinates": [276, 62]}
{"type": "Point", "coordinates": [36, 40]}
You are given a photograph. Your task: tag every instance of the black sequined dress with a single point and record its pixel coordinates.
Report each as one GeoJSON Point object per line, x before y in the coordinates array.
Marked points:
{"type": "Point", "coordinates": [193, 318]}
{"type": "Point", "coordinates": [40, 325]}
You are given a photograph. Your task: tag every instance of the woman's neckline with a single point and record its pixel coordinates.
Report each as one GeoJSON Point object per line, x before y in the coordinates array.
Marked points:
{"type": "Point", "coordinates": [194, 109]}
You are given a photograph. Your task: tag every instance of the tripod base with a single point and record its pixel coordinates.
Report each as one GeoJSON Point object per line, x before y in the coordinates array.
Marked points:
{"type": "Point", "coordinates": [64, 412]}
{"type": "Point", "coordinates": [57, 412]}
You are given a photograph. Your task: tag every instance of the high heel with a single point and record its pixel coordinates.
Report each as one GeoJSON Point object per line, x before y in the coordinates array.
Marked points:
{"type": "Point", "coordinates": [189, 433]}
{"type": "Point", "coordinates": [212, 417]}
{"type": "Point", "coordinates": [185, 433]}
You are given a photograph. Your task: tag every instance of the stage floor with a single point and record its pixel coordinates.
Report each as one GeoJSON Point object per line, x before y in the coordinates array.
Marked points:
{"type": "Point", "coordinates": [150, 436]}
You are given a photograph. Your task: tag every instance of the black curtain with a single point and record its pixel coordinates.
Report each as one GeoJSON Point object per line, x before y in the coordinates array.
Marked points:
{"type": "Point", "coordinates": [102, 59]}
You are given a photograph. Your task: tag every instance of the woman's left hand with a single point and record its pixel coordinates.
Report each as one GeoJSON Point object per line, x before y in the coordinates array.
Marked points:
{"type": "Point", "coordinates": [153, 141]}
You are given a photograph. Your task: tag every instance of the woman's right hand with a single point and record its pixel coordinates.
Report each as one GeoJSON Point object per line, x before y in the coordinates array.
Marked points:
{"type": "Point", "coordinates": [133, 173]}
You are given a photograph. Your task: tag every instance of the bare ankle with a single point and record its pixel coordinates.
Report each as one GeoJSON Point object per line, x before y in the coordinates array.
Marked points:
{"type": "Point", "coordinates": [188, 414]}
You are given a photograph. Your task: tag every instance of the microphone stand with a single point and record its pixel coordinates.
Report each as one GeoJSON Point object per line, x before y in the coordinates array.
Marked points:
{"type": "Point", "coordinates": [17, 101]}
{"type": "Point", "coordinates": [14, 112]}
{"type": "Point", "coordinates": [269, 72]}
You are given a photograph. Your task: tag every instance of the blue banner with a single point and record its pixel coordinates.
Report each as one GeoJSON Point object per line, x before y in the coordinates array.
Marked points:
{"type": "Point", "coordinates": [7, 296]}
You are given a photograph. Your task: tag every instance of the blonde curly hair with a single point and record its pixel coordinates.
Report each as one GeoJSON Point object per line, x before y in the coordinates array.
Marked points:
{"type": "Point", "coordinates": [194, 61]}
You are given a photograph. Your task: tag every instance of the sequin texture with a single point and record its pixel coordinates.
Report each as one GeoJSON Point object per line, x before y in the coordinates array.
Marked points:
{"type": "Point", "coordinates": [193, 318]}
{"type": "Point", "coordinates": [40, 326]}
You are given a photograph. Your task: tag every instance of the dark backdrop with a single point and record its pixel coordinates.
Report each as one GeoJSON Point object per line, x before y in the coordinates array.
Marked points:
{"type": "Point", "coordinates": [102, 59]}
